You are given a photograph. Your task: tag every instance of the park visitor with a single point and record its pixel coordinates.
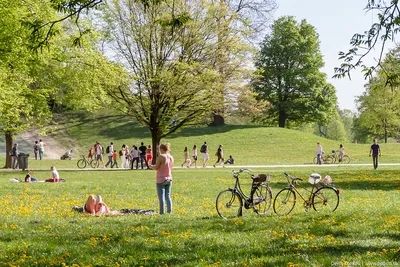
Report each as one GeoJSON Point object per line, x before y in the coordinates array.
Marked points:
{"type": "Point", "coordinates": [143, 160]}
{"type": "Point", "coordinates": [230, 160]}
{"type": "Point", "coordinates": [375, 150]}
{"type": "Point", "coordinates": [14, 153]}
{"type": "Point", "coordinates": [194, 156]}
{"type": "Point", "coordinates": [204, 153]}
{"type": "Point", "coordinates": [341, 153]}
{"type": "Point", "coordinates": [41, 149]}
{"type": "Point", "coordinates": [36, 149]}
{"type": "Point", "coordinates": [55, 176]}
{"type": "Point", "coordinates": [149, 154]}
{"type": "Point", "coordinates": [163, 166]}
{"type": "Point", "coordinates": [110, 151]}
{"type": "Point", "coordinates": [186, 157]}
{"type": "Point", "coordinates": [320, 151]}
{"type": "Point", "coordinates": [220, 156]}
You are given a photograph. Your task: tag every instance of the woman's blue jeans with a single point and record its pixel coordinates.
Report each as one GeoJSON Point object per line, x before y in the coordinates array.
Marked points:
{"type": "Point", "coordinates": [164, 193]}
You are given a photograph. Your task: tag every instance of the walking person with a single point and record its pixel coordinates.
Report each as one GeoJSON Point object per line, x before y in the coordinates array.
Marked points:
{"type": "Point", "coordinates": [99, 154]}
{"type": "Point", "coordinates": [127, 157]}
{"type": "Point", "coordinates": [14, 153]}
{"type": "Point", "coordinates": [123, 156]}
{"type": "Point", "coordinates": [204, 153]}
{"type": "Point", "coordinates": [114, 158]}
{"type": "Point", "coordinates": [220, 155]}
{"type": "Point", "coordinates": [164, 164]}
{"type": "Point", "coordinates": [142, 150]}
{"type": "Point", "coordinates": [36, 149]}
{"type": "Point", "coordinates": [375, 150]}
{"type": "Point", "coordinates": [149, 154]}
{"type": "Point", "coordinates": [186, 157]}
{"type": "Point", "coordinates": [194, 156]}
{"type": "Point", "coordinates": [135, 157]}
{"type": "Point", "coordinates": [41, 149]}
{"type": "Point", "coordinates": [110, 151]}
{"type": "Point", "coordinates": [320, 151]}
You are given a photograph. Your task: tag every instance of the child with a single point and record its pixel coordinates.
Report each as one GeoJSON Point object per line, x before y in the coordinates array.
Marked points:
{"type": "Point", "coordinates": [90, 154]}
{"type": "Point", "coordinates": [114, 158]}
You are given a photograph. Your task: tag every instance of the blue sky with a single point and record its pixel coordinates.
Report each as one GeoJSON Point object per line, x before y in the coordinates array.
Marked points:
{"type": "Point", "coordinates": [336, 21]}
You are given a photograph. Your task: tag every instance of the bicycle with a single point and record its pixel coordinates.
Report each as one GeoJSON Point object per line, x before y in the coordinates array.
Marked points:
{"type": "Point", "coordinates": [322, 197]}
{"type": "Point", "coordinates": [230, 202]}
{"type": "Point", "coordinates": [86, 161]}
{"type": "Point", "coordinates": [325, 159]}
{"type": "Point", "coordinates": [333, 158]}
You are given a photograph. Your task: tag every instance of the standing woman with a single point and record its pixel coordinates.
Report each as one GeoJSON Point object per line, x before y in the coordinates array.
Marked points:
{"type": "Point", "coordinates": [186, 156]}
{"type": "Point", "coordinates": [194, 156]}
{"type": "Point", "coordinates": [164, 164]}
{"type": "Point", "coordinates": [123, 156]}
{"type": "Point", "coordinates": [341, 153]}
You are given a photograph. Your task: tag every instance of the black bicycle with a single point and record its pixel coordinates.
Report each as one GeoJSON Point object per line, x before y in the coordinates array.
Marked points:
{"type": "Point", "coordinates": [230, 202]}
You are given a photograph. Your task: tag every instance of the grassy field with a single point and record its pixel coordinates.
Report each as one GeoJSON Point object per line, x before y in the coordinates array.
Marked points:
{"type": "Point", "coordinates": [38, 228]}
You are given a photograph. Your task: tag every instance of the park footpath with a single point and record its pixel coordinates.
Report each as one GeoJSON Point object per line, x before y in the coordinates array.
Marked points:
{"type": "Point", "coordinates": [236, 167]}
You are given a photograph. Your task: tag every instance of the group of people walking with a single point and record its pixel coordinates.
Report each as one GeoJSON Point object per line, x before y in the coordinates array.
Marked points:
{"type": "Point", "coordinates": [188, 162]}
{"type": "Point", "coordinates": [129, 157]}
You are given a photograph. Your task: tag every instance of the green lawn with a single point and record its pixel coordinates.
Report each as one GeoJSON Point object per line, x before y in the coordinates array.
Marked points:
{"type": "Point", "coordinates": [38, 228]}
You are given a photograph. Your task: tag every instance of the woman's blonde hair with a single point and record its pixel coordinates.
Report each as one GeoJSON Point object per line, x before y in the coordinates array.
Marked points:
{"type": "Point", "coordinates": [165, 147]}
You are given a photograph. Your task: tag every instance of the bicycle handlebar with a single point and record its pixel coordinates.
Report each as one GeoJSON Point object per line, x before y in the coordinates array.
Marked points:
{"type": "Point", "coordinates": [235, 173]}
{"type": "Point", "coordinates": [292, 177]}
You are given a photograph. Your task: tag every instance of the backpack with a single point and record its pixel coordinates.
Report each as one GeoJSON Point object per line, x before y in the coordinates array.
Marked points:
{"type": "Point", "coordinates": [203, 149]}
{"type": "Point", "coordinates": [11, 152]}
{"type": "Point", "coordinates": [108, 149]}
{"type": "Point", "coordinates": [120, 153]}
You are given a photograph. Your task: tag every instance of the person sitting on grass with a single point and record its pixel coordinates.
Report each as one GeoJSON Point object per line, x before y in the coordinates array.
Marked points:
{"type": "Point", "coordinates": [230, 160]}
{"type": "Point", "coordinates": [29, 178]}
{"type": "Point", "coordinates": [96, 206]}
{"type": "Point", "coordinates": [55, 175]}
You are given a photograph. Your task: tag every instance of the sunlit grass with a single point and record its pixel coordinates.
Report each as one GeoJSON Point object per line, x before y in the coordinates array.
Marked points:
{"type": "Point", "coordinates": [38, 228]}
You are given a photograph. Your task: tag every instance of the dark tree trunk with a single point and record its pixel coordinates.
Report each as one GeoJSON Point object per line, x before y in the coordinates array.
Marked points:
{"type": "Point", "coordinates": [282, 119]}
{"type": "Point", "coordinates": [9, 146]}
{"type": "Point", "coordinates": [217, 120]}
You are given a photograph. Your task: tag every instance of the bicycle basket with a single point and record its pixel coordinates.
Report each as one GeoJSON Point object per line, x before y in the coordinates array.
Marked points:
{"type": "Point", "coordinates": [314, 178]}
{"type": "Point", "coordinates": [260, 178]}
{"type": "Point", "coordinates": [327, 180]}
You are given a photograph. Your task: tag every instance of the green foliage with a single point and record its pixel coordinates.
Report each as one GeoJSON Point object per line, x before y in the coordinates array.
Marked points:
{"type": "Point", "coordinates": [379, 105]}
{"type": "Point", "coordinates": [39, 228]}
{"type": "Point", "coordinates": [289, 77]}
{"type": "Point", "coordinates": [380, 33]}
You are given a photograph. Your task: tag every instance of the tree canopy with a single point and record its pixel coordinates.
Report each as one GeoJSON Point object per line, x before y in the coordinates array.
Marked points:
{"type": "Point", "coordinates": [289, 75]}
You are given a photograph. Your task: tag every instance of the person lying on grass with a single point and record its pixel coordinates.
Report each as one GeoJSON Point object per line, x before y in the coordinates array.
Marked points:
{"type": "Point", "coordinates": [96, 206]}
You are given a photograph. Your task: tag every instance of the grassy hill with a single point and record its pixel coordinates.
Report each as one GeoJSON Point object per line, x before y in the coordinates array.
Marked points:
{"type": "Point", "coordinates": [249, 145]}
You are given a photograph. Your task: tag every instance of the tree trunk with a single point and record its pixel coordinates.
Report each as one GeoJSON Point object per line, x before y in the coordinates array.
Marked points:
{"type": "Point", "coordinates": [9, 146]}
{"type": "Point", "coordinates": [282, 119]}
{"type": "Point", "coordinates": [155, 142]}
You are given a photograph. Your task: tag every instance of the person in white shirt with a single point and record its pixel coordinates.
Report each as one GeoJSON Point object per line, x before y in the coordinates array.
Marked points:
{"type": "Point", "coordinates": [110, 149]}
{"type": "Point", "coordinates": [320, 151]}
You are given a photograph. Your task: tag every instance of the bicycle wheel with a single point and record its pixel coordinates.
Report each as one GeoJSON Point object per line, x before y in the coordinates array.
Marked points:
{"type": "Point", "coordinates": [346, 159]}
{"type": "Point", "coordinates": [315, 160]}
{"type": "Point", "coordinates": [81, 164]}
{"type": "Point", "coordinates": [95, 164]}
{"type": "Point", "coordinates": [325, 199]}
{"type": "Point", "coordinates": [284, 201]}
{"type": "Point", "coordinates": [229, 204]}
{"type": "Point", "coordinates": [262, 199]}
{"type": "Point", "coordinates": [328, 160]}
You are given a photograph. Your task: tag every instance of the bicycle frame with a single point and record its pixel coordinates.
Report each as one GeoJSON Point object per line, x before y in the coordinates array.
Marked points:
{"type": "Point", "coordinates": [291, 186]}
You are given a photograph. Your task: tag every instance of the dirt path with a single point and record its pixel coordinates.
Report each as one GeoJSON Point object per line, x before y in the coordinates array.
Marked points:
{"type": "Point", "coordinates": [52, 149]}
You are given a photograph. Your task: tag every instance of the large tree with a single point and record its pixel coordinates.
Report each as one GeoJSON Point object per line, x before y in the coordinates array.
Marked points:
{"type": "Point", "coordinates": [289, 75]}
{"type": "Point", "coordinates": [168, 47]}
{"type": "Point", "coordinates": [31, 84]}
{"type": "Point", "coordinates": [380, 104]}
